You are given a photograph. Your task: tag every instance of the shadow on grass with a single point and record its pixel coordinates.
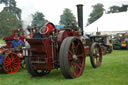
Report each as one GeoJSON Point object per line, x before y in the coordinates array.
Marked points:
{"type": "Point", "coordinates": [54, 74]}
{"type": "Point", "coordinates": [3, 73]}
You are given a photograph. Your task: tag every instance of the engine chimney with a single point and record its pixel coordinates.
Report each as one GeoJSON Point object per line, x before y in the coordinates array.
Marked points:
{"type": "Point", "coordinates": [80, 16]}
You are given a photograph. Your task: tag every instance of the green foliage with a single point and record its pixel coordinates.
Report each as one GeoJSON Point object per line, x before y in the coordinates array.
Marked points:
{"type": "Point", "coordinates": [67, 18]}
{"type": "Point", "coordinates": [4, 2]}
{"type": "Point", "coordinates": [113, 9]}
{"type": "Point", "coordinates": [2, 41]}
{"type": "Point", "coordinates": [113, 71]}
{"type": "Point", "coordinates": [116, 9]}
{"type": "Point", "coordinates": [7, 22]}
{"type": "Point", "coordinates": [15, 11]}
{"type": "Point", "coordinates": [11, 8]}
{"type": "Point", "coordinates": [38, 19]}
{"type": "Point", "coordinates": [97, 12]}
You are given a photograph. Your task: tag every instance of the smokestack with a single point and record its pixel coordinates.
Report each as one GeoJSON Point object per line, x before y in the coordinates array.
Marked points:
{"type": "Point", "coordinates": [80, 16]}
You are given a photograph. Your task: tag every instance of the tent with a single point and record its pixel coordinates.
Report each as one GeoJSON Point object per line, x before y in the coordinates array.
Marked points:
{"type": "Point", "coordinates": [109, 23]}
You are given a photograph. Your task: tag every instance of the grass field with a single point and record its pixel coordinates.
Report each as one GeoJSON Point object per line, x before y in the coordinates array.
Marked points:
{"type": "Point", "coordinates": [114, 71]}
{"type": "Point", "coordinates": [2, 42]}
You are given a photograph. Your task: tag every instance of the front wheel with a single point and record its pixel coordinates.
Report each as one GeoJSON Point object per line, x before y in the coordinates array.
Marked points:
{"type": "Point", "coordinates": [72, 57]}
{"type": "Point", "coordinates": [95, 55]}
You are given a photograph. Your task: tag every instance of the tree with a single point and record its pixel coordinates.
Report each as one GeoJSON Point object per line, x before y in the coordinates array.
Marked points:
{"type": "Point", "coordinates": [67, 18]}
{"type": "Point", "coordinates": [11, 7]}
{"type": "Point", "coordinates": [7, 22]}
{"type": "Point", "coordinates": [38, 19]}
{"type": "Point", "coordinates": [116, 9]}
{"type": "Point", "coordinates": [123, 8]}
{"type": "Point", "coordinates": [97, 12]}
{"type": "Point", "coordinates": [4, 2]}
{"type": "Point", "coordinates": [15, 11]}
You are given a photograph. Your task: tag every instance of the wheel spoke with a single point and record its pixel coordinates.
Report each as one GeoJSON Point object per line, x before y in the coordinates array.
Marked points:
{"type": "Point", "coordinates": [7, 67]}
{"type": "Point", "coordinates": [14, 67]}
{"type": "Point", "coordinates": [6, 63]}
{"type": "Point", "coordinates": [78, 44]}
{"type": "Point", "coordinates": [74, 48]}
{"type": "Point", "coordinates": [74, 67]}
{"type": "Point", "coordinates": [8, 59]}
{"type": "Point", "coordinates": [73, 45]}
{"type": "Point", "coordinates": [11, 57]}
{"type": "Point", "coordinates": [70, 52]}
{"type": "Point", "coordinates": [11, 69]}
{"type": "Point", "coordinates": [11, 63]}
{"type": "Point", "coordinates": [78, 66]}
{"type": "Point", "coordinates": [14, 61]}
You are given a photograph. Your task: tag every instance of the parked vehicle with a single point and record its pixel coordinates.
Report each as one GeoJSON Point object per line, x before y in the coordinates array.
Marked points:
{"type": "Point", "coordinates": [63, 48]}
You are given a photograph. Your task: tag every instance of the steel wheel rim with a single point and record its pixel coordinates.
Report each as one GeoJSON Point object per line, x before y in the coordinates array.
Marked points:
{"type": "Point", "coordinates": [76, 58]}
{"type": "Point", "coordinates": [12, 63]}
{"type": "Point", "coordinates": [97, 55]}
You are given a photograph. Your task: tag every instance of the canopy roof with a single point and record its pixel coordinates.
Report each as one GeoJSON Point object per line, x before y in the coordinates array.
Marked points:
{"type": "Point", "coordinates": [109, 22]}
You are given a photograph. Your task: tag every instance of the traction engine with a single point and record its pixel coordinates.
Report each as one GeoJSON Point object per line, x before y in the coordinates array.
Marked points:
{"type": "Point", "coordinates": [63, 48]}
{"type": "Point", "coordinates": [10, 60]}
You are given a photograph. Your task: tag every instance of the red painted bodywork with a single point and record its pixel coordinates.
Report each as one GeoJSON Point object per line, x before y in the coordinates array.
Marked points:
{"type": "Point", "coordinates": [42, 48]}
{"type": "Point", "coordinates": [65, 33]}
{"type": "Point", "coordinates": [86, 50]}
{"type": "Point", "coordinates": [44, 51]}
{"type": "Point", "coordinates": [62, 35]}
{"type": "Point", "coordinates": [8, 51]}
{"type": "Point", "coordinates": [10, 38]}
{"type": "Point", "coordinates": [48, 28]}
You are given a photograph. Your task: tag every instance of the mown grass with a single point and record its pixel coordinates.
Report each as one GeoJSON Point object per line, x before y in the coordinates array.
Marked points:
{"type": "Point", "coordinates": [2, 41]}
{"type": "Point", "coordinates": [114, 71]}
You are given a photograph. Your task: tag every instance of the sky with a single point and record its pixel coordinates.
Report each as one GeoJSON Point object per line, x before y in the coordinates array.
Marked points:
{"type": "Point", "coordinates": [52, 9]}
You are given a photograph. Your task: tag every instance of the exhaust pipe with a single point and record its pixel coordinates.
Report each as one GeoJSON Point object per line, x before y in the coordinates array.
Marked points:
{"type": "Point", "coordinates": [80, 16]}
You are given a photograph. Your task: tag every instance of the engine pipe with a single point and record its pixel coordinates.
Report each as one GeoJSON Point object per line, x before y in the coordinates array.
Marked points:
{"type": "Point", "coordinates": [80, 16]}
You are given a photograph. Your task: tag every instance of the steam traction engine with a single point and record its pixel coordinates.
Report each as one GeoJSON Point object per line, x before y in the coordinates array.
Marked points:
{"type": "Point", "coordinates": [61, 48]}
{"type": "Point", "coordinates": [10, 59]}
{"type": "Point", "coordinates": [120, 41]}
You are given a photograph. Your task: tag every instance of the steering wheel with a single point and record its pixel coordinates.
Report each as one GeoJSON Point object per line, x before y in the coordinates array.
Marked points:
{"type": "Point", "coordinates": [47, 28]}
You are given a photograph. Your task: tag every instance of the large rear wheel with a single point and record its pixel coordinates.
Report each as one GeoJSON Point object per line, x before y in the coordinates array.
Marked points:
{"type": "Point", "coordinates": [95, 55]}
{"type": "Point", "coordinates": [72, 57]}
